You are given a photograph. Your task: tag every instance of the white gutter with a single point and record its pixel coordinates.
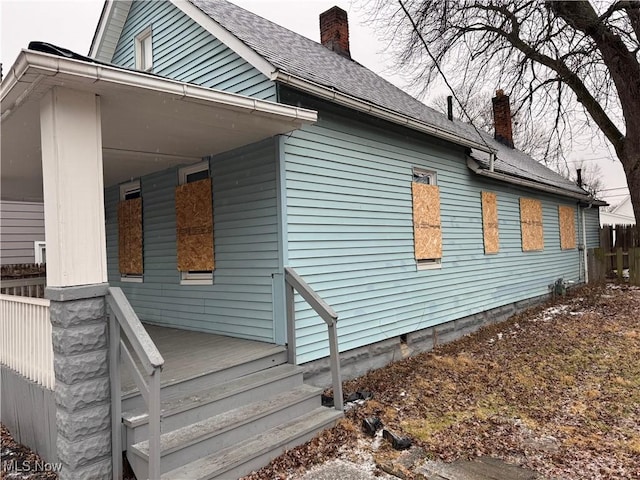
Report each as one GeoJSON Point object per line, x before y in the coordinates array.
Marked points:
{"type": "Point", "coordinates": [367, 107]}
{"type": "Point", "coordinates": [47, 65]}
{"type": "Point", "coordinates": [523, 182]}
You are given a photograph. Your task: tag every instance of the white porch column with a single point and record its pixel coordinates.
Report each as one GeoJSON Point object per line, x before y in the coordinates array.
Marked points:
{"type": "Point", "coordinates": [73, 188]}
{"type": "Point", "coordinates": [71, 138]}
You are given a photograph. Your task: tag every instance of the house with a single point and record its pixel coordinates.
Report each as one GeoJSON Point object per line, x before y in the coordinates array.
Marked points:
{"type": "Point", "coordinates": [21, 232]}
{"type": "Point", "coordinates": [620, 214]}
{"type": "Point", "coordinates": [265, 201]}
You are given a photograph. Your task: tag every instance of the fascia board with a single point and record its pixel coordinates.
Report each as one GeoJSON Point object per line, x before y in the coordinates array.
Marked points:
{"type": "Point", "coordinates": [374, 110]}
{"type": "Point", "coordinates": [476, 168]}
{"type": "Point", "coordinates": [49, 66]}
{"type": "Point", "coordinates": [113, 10]}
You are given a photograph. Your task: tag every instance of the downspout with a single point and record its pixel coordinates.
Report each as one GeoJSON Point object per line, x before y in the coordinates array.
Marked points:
{"type": "Point", "coordinates": [584, 248]}
{"type": "Point", "coordinates": [584, 243]}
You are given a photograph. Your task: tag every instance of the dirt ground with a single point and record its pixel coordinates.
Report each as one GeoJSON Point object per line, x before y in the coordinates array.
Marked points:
{"type": "Point", "coordinates": [555, 389]}
{"type": "Point", "coordinates": [19, 462]}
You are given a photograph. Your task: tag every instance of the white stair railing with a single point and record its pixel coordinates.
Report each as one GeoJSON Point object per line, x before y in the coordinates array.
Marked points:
{"type": "Point", "coordinates": [123, 322]}
{"type": "Point", "coordinates": [25, 338]}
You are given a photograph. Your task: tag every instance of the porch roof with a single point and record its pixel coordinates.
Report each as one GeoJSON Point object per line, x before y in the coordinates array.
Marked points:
{"type": "Point", "coordinates": [149, 123]}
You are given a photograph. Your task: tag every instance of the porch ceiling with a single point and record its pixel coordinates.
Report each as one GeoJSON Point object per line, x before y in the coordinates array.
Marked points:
{"type": "Point", "coordinates": [148, 123]}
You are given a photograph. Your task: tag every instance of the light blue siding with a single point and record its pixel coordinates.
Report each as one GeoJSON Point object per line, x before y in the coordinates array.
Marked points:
{"type": "Point", "coordinates": [592, 224]}
{"type": "Point", "coordinates": [350, 235]}
{"type": "Point", "coordinates": [239, 303]}
{"type": "Point", "coordinates": [185, 51]}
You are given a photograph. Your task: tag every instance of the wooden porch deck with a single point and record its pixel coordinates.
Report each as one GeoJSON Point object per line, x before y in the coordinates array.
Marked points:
{"type": "Point", "coordinates": [188, 355]}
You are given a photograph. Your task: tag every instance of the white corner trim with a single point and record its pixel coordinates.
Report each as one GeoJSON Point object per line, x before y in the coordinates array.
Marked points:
{"type": "Point", "coordinates": [226, 37]}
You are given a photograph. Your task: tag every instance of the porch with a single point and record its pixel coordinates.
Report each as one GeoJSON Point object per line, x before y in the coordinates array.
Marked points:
{"type": "Point", "coordinates": [210, 403]}
{"type": "Point", "coordinates": [190, 355]}
{"type": "Point", "coordinates": [72, 129]}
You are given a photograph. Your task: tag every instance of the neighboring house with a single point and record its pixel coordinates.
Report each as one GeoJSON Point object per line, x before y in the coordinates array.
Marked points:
{"type": "Point", "coordinates": [21, 232]}
{"type": "Point", "coordinates": [621, 214]}
{"type": "Point", "coordinates": [235, 150]}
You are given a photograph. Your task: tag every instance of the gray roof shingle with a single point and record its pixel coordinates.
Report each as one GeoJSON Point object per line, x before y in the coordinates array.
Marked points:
{"type": "Point", "coordinates": [295, 54]}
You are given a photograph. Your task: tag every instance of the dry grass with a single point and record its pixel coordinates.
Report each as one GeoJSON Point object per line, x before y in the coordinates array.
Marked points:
{"type": "Point", "coordinates": [555, 389]}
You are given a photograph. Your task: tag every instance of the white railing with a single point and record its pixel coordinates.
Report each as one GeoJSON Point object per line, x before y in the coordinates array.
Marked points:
{"type": "Point", "coordinates": [25, 338]}
{"type": "Point", "coordinates": [123, 322]}
{"type": "Point", "coordinates": [24, 287]}
{"type": "Point", "coordinates": [294, 282]}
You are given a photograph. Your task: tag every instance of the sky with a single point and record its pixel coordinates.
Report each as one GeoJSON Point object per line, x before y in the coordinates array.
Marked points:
{"type": "Point", "coordinates": [71, 24]}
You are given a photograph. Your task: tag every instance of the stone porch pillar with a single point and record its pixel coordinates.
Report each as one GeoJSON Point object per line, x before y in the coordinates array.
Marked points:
{"type": "Point", "coordinates": [76, 279]}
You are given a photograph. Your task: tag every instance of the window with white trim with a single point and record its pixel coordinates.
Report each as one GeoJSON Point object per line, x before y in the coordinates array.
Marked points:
{"type": "Point", "coordinates": [194, 232]}
{"type": "Point", "coordinates": [427, 233]}
{"type": "Point", "coordinates": [130, 233]}
{"type": "Point", "coordinates": [40, 249]}
{"type": "Point", "coordinates": [144, 50]}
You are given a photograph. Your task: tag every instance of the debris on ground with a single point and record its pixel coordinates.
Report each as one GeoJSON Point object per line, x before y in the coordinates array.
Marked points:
{"type": "Point", "coordinates": [20, 462]}
{"type": "Point", "coordinates": [555, 389]}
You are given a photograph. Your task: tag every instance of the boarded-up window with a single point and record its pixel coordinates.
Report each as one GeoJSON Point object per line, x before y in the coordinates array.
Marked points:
{"type": "Point", "coordinates": [130, 236]}
{"type": "Point", "coordinates": [490, 222]}
{"type": "Point", "coordinates": [567, 218]}
{"type": "Point", "coordinates": [194, 226]}
{"type": "Point", "coordinates": [531, 224]}
{"type": "Point", "coordinates": [427, 234]}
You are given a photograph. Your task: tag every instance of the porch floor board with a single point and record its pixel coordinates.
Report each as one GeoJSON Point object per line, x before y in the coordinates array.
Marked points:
{"type": "Point", "coordinates": [189, 354]}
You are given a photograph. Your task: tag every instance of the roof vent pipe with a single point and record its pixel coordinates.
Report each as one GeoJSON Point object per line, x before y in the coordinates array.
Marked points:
{"type": "Point", "coordinates": [579, 175]}
{"type": "Point", "coordinates": [450, 107]}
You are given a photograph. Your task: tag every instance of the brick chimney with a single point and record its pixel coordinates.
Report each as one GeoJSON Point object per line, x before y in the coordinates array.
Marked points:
{"type": "Point", "coordinates": [334, 31]}
{"type": "Point", "coordinates": [502, 118]}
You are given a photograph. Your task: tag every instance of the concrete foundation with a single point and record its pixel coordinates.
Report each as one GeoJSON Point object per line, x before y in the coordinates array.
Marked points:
{"type": "Point", "coordinates": [357, 362]}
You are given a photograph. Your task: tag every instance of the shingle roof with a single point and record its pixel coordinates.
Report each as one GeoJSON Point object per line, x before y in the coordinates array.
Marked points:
{"type": "Point", "coordinates": [518, 164]}
{"type": "Point", "coordinates": [295, 54]}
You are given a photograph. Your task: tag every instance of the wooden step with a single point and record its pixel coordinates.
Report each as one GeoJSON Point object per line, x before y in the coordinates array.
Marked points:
{"type": "Point", "coordinates": [214, 375]}
{"type": "Point", "coordinates": [189, 443]}
{"type": "Point", "coordinates": [179, 410]}
{"type": "Point", "coordinates": [244, 457]}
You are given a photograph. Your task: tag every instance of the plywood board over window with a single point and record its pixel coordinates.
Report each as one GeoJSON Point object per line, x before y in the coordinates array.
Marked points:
{"type": "Point", "coordinates": [427, 233]}
{"type": "Point", "coordinates": [531, 225]}
{"type": "Point", "coordinates": [130, 237]}
{"type": "Point", "coordinates": [567, 220]}
{"type": "Point", "coordinates": [194, 226]}
{"type": "Point", "coordinates": [490, 222]}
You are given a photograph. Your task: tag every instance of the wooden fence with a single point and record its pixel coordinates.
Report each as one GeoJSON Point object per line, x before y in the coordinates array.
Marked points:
{"type": "Point", "coordinates": [618, 255]}
{"type": "Point", "coordinates": [25, 280]}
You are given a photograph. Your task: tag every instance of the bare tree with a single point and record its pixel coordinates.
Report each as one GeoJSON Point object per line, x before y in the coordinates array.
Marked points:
{"type": "Point", "coordinates": [590, 178]}
{"type": "Point", "coordinates": [575, 61]}
{"type": "Point", "coordinates": [535, 139]}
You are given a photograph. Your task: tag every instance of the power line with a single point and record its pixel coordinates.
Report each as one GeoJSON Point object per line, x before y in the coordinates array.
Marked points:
{"type": "Point", "coordinates": [591, 159]}
{"type": "Point", "coordinates": [614, 188]}
{"type": "Point", "coordinates": [435, 62]}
